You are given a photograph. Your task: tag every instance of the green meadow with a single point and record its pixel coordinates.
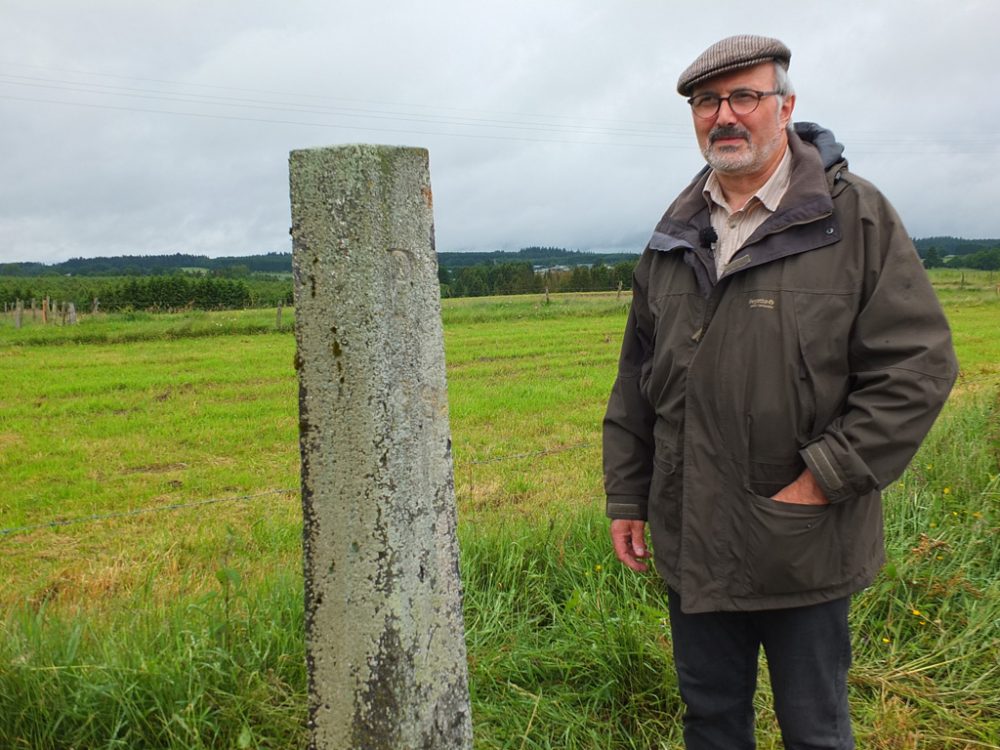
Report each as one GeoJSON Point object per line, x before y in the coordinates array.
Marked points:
{"type": "Point", "coordinates": [150, 539]}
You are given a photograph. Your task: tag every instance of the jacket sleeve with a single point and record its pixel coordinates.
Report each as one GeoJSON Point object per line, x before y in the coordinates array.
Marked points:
{"type": "Point", "coordinates": [628, 422]}
{"type": "Point", "coordinates": [902, 365]}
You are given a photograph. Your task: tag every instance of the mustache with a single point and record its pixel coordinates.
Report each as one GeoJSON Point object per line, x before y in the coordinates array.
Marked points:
{"type": "Point", "coordinates": [728, 131]}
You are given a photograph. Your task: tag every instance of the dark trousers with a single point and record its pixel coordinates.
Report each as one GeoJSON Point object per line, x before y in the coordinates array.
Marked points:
{"type": "Point", "coordinates": [808, 652]}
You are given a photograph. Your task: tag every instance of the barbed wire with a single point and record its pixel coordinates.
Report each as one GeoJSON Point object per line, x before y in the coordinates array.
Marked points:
{"type": "Point", "coordinates": [530, 454]}
{"type": "Point", "coordinates": [139, 511]}
{"type": "Point", "coordinates": [11, 531]}
{"type": "Point", "coordinates": [93, 518]}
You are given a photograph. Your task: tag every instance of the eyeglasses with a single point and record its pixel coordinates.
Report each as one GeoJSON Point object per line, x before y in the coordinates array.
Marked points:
{"type": "Point", "coordinates": [742, 102]}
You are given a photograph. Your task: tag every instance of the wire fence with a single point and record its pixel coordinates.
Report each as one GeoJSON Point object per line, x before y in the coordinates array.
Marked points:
{"type": "Point", "coordinates": [95, 517]}
{"type": "Point", "coordinates": [139, 511]}
{"type": "Point", "coordinates": [963, 380]}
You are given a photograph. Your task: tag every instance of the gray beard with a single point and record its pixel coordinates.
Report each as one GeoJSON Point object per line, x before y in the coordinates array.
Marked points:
{"type": "Point", "coordinates": [747, 162]}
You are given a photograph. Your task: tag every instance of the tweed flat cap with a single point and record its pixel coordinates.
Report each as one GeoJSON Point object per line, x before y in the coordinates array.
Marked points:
{"type": "Point", "coordinates": [732, 53]}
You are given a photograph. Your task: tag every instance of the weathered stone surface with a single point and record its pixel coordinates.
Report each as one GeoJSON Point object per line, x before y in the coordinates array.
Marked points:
{"type": "Point", "coordinates": [384, 630]}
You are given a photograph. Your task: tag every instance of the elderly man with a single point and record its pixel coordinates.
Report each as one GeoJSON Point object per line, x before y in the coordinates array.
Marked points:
{"type": "Point", "coordinates": [783, 359]}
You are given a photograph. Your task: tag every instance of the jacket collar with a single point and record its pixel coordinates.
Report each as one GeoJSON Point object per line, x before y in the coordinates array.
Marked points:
{"type": "Point", "coordinates": [806, 202]}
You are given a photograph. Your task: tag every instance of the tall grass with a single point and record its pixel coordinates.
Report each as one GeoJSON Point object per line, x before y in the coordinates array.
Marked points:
{"type": "Point", "coordinates": [184, 630]}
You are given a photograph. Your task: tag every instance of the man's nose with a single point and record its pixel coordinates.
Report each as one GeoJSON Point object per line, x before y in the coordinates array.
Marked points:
{"type": "Point", "coordinates": [726, 115]}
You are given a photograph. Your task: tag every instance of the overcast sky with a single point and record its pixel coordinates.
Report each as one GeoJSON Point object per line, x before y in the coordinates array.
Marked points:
{"type": "Point", "coordinates": [140, 127]}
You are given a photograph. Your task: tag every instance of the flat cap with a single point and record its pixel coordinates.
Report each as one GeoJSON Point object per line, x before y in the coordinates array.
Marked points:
{"type": "Point", "coordinates": [732, 53]}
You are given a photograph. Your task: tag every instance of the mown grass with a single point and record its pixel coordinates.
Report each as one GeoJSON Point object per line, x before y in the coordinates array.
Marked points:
{"type": "Point", "coordinates": [183, 628]}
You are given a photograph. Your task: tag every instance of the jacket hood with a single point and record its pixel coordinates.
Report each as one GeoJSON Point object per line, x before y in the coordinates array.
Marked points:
{"type": "Point", "coordinates": [830, 150]}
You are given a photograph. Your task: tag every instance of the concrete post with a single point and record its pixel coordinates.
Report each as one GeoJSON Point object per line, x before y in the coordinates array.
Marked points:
{"type": "Point", "coordinates": [384, 629]}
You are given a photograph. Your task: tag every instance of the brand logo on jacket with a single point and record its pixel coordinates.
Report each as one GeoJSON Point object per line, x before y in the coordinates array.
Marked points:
{"type": "Point", "coordinates": [764, 303]}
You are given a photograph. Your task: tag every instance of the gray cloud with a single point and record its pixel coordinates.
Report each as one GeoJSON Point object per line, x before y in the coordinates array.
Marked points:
{"type": "Point", "coordinates": [134, 128]}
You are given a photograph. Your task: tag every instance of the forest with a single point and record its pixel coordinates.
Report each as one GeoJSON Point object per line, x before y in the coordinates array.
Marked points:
{"type": "Point", "coordinates": [182, 281]}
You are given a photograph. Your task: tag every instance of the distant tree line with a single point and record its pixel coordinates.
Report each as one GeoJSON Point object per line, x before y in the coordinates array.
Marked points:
{"type": "Point", "coordinates": [946, 246]}
{"type": "Point", "coordinates": [983, 260]}
{"type": "Point", "coordinates": [280, 264]}
{"type": "Point", "coordinates": [523, 278]}
{"type": "Point", "coordinates": [164, 293]}
{"type": "Point", "coordinates": [170, 282]}
{"type": "Point", "coordinates": [536, 256]}
{"type": "Point", "coordinates": [155, 265]}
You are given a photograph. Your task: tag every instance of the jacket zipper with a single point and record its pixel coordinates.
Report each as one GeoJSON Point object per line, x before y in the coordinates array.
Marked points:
{"type": "Point", "coordinates": [818, 217]}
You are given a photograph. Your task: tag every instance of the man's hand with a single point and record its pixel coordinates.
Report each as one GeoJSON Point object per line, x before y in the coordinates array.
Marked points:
{"type": "Point", "coordinates": [629, 539]}
{"type": "Point", "coordinates": [803, 491]}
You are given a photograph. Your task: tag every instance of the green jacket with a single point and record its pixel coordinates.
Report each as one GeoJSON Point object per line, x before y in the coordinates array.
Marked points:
{"type": "Point", "coordinates": [822, 345]}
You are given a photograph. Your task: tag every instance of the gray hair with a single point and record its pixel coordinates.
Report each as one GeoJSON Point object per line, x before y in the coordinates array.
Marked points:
{"type": "Point", "coordinates": [782, 83]}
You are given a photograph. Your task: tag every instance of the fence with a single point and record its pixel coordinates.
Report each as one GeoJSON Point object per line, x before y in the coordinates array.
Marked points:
{"type": "Point", "coordinates": [95, 517]}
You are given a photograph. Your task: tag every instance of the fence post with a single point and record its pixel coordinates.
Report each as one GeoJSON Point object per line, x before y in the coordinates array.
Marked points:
{"type": "Point", "coordinates": [384, 631]}
{"type": "Point", "coordinates": [33, 308]}
{"type": "Point", "coordinates": [95, 306]}
{"type": "Point", "coordinates": [277, 321]}
{"type": "Point", "coordinates": [18, 312]}
{"type": "Point", "coordinates": [72, 313]}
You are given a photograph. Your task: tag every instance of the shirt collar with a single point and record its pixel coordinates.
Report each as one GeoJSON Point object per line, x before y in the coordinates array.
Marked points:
{"type": "Point", "coordinates": [769, 194]}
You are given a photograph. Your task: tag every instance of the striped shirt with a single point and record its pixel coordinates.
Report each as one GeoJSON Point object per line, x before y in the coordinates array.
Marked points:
{"type": "Point", "coordinates": [735, 227]}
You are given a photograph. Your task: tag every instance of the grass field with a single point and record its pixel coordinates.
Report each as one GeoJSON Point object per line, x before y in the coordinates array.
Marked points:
{"type": "Point", "coordinates": [166, 610]}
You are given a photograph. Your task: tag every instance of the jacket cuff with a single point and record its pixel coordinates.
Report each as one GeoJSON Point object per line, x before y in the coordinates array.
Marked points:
{"type": "Point", "coordinates": [827, 473]}
{"type": "Point", "coordinates": [628, 507]}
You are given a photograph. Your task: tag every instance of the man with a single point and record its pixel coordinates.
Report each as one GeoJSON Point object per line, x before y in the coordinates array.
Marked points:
{"type": "Point", "coordinates": [784, 357]}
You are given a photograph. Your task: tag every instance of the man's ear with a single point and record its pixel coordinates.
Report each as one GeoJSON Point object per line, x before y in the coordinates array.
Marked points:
{"type": "Point", "coordinates": [787, 106]}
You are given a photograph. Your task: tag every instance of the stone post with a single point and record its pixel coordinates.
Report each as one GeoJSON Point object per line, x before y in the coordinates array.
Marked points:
{"type": "Point", "coordinates": [385, 642]}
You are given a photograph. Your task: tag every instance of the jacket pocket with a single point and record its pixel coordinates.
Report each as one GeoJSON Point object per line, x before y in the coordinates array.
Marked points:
{"type": "Point", "coordinates": [664, 506]}
{"type": "Point", "coordinates": [791, 548]}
